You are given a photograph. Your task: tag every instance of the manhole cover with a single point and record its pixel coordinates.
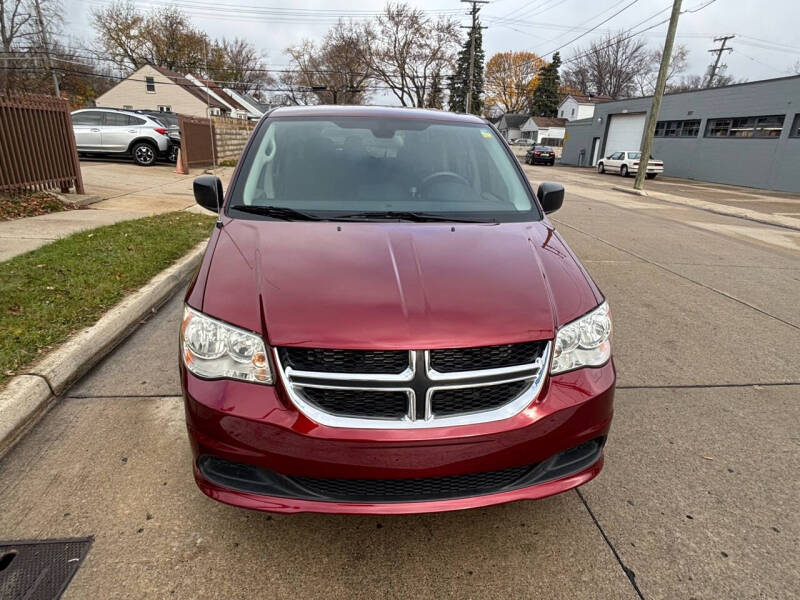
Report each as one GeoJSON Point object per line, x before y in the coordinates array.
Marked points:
{"type": "Point", "coordinates": [39, 569]}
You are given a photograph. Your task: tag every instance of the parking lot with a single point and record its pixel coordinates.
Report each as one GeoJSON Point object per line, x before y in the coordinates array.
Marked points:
{"type": "Point", "coordinates": [698, 498]}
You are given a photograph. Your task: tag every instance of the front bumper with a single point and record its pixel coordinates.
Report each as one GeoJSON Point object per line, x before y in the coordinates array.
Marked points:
{"type": "Point", "coordinates": [257, 427]}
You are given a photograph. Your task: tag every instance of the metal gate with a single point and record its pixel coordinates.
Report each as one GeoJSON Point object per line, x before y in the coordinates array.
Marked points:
{"type": "Point", "coordinates": [197, 142]}
{"type": "Point", "coordinates": [37, 144]}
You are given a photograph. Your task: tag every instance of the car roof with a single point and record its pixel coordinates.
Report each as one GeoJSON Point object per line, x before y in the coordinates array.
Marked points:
{"type": "Point", "coordinates": [384, 112]}
{"type": "Point", "coordinates": [124, 111]}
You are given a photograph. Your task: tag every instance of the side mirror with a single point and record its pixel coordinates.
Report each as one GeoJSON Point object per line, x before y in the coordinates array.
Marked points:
{"type": "Point", "coordinates": [208, 192]}
{"type": "Point", "coordinates": [551, 196]}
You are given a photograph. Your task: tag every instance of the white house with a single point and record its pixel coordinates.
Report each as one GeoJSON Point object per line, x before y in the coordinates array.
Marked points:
{"type": "Point", "coordinates": [255, 108]}
{"type": "Point", "coordinates": [509, 125]}
{"type": "Point", "coordinates": [577, 106]}
{"type": "Point", "coordinates": [157, 88]}
{"type": "Point", "coordinates": [548, 131]}
{"type": "Point", "coordinates": [234, 109]}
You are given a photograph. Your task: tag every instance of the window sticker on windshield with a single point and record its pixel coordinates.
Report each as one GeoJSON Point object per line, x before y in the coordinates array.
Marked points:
{"type": "Point", "coordinates": [486, 133]}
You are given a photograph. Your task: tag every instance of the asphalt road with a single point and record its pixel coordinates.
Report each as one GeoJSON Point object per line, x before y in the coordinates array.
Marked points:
{"type": "Point", "coordinates": [698, 498]}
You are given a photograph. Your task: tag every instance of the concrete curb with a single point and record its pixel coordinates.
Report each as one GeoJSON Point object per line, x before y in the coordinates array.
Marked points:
{"type": "Point", "coordinates": [27, 397]}
{"type": "Point", "coordinates": [78, 199]}
{"type": "Point", "coordinates": [720, 209]}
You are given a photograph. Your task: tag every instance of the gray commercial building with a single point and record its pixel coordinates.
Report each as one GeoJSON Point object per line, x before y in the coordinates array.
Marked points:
{"type": "Point", "coordinates": [745, 134]}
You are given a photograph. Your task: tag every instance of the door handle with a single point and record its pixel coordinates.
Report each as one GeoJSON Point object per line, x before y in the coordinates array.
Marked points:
{"type": "Point", "coordinates": [131, 131]}
{"type": "Point", "coordinates": [94, 129]}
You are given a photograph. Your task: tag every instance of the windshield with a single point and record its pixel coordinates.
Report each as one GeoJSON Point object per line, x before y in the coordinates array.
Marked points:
{"type": "Point", "coordinates": [364, 168]}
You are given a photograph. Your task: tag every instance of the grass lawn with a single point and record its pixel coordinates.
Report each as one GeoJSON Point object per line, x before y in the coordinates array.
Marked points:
{"type": "Point", "coordinates": [60, 288]}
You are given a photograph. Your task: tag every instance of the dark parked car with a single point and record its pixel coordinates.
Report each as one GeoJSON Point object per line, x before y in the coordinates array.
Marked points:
{"type": "Point", "coordinates": [541, 155]}
{"type": "Point", "coordinates": [386, 321]}
{"type": "Point", "coordinates": [170, 121]}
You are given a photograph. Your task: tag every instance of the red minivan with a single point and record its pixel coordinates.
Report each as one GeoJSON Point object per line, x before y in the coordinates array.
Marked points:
{"type": "Point", "coordinates": [385, 321]}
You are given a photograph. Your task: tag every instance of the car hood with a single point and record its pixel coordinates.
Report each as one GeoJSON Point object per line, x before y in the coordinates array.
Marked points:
{"type": "Point", "coordinates": [394, 285]}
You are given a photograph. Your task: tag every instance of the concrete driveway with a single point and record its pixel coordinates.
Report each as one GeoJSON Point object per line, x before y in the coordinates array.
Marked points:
{"type": "Point", "coordinates": [698, 498]}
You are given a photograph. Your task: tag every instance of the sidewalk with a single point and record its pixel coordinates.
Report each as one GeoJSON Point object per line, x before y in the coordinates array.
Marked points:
{"type": "Point", "coordinates": [769, 207]}
{"type": "Point", "coordinates": [126, 191]}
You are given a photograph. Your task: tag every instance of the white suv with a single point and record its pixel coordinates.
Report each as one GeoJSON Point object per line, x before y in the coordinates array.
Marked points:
{"type": "Point", "coordinates": [626, 163]}
{"type": "Point", "coordinates": [113, 131]}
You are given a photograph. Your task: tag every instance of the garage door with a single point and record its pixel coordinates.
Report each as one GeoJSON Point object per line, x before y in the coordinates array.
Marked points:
{"type": "Point", "coordinates": [625, 133]}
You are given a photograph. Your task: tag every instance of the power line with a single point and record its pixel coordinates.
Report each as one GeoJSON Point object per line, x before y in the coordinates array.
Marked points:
{"type": "Point", "coordinates": [183, 85]}
{"type": "Point", "coordinates": [603, 22]}
{"type": "Point", "coordinates": [712, 73]}
{"type": "Point", "coordinates": [474, 12]}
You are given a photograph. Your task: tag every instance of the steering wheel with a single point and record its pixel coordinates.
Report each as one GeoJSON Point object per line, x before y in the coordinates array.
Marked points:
{"type": "Point", "coordinates": [444, 174]}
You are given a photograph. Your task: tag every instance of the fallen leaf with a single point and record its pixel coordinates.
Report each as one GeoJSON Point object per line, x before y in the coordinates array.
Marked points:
{"type": "Point", "coordinates": [708, 458]}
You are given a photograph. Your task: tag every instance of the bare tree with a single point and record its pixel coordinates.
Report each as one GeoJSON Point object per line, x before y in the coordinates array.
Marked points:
{"type": "Point", "coordinates": [120, 35]}
{"type": "Point", "coordinates": [646, 77]}
{"type": "Point", "coordinates": [698, 82]}
{"type": "Point", "coordinates": [405, 48]}
{"type": "Point", "coordinates": [14, 19]}
{"type": "Point", "coordinates": [239, 63]}
{"type": "Point", "coordinates": [795, 68]}
{"type": "Point", "coordinates": [166, 37]}
{"type": "Point", "coordinates": [608, 66]}
{"type": "Point", "coordinates": [333, 73]}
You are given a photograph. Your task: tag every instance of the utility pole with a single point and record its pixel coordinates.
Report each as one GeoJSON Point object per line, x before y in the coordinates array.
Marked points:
{"type": "Point", "coordinates": [48, 65]}
{"type": "Point", "coordinates": [474, 13]}
{"type": "Point", "coordinates": [661, 83]}
{"type": "Point", "coordinates": [719, 52]}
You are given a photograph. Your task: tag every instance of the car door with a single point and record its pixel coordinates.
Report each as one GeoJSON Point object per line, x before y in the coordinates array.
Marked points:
{"type": "Point", "coordinates": [118, 131]}
{"type": "Point", "coordinates": [614, 161]}
{"type": "Point", "coordinates": [87, 126]}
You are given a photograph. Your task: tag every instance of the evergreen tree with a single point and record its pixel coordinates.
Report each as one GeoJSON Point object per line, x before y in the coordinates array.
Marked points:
{"type": "Point", "coordinates": [545, 100]}
{"type": "Point", "coordinates": [435, 97]}
{"type": "Point", "coordinates": [458, 83]}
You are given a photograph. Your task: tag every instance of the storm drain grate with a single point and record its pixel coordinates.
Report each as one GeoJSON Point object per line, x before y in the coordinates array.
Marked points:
{"type": "Point", "coordinates": [39, 569]}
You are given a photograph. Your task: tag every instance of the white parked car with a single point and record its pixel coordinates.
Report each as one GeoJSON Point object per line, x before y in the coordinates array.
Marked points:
{"type": "Point", "coordinates": [627, 163]}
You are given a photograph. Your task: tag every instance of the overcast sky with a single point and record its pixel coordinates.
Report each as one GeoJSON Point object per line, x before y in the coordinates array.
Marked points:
{"type": "Point", "coordinates": [766, 46]}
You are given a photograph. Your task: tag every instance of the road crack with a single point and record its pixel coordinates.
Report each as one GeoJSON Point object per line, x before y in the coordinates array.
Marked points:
{"type": "Point", "coordinates": [625, 569]}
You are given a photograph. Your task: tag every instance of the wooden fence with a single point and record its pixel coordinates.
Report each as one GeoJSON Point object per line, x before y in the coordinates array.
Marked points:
{"type": "Point", "coordinates": [37, 145]}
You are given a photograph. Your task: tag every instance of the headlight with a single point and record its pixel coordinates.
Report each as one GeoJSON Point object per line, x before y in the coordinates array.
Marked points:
{"type": "Point", "coordinates": [585, 342]}
{"type": "Point", "coordinates": [213, 349]}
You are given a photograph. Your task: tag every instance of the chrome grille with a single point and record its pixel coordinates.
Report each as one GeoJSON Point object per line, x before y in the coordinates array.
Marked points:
{"type": "Point", "coordinates": [416, 392]}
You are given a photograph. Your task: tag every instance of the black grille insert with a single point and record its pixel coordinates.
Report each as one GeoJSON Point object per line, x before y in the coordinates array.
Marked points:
{"type": "Point", "coordinates": [258, 480]}
{"type": "Point", "coordinates": [449, 360]}
{"type": "Point", "coordinates": [466, 400]}
{"type": "Point", "coordinates": [345, 361]}
{"type": "Point", "coordinates": [427, 488]}
{"type": "Point", "coordinates": [358, 403]}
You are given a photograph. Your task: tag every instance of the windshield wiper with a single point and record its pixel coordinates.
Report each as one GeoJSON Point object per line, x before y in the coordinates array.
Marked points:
{"type": "Point", "coordinates": [418, 217]}
{"type": "Point", "coordinates": [277, 212]}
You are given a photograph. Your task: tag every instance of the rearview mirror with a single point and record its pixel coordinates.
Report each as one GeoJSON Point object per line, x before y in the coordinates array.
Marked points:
{"type": "Point", "coordinates": [208, 192]}
{"type": "Point", "coordinates": [551, 196]}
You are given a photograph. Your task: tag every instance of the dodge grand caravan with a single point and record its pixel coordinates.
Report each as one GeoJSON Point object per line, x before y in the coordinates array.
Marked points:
{"type": "Point", "coordinates": [386, 321]}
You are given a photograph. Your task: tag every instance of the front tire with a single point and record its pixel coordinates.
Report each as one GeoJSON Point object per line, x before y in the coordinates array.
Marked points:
{"type": "Point", "coordinates": [623, 170]}
{"type": "Point", "coordinates": [144, 154]}
{"type": "Point", "coordinates": [173, 154]}
{"type": "Point", "coordinates": [651, 175]}
{"type": "Point", "coordinates": [601, 168]}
